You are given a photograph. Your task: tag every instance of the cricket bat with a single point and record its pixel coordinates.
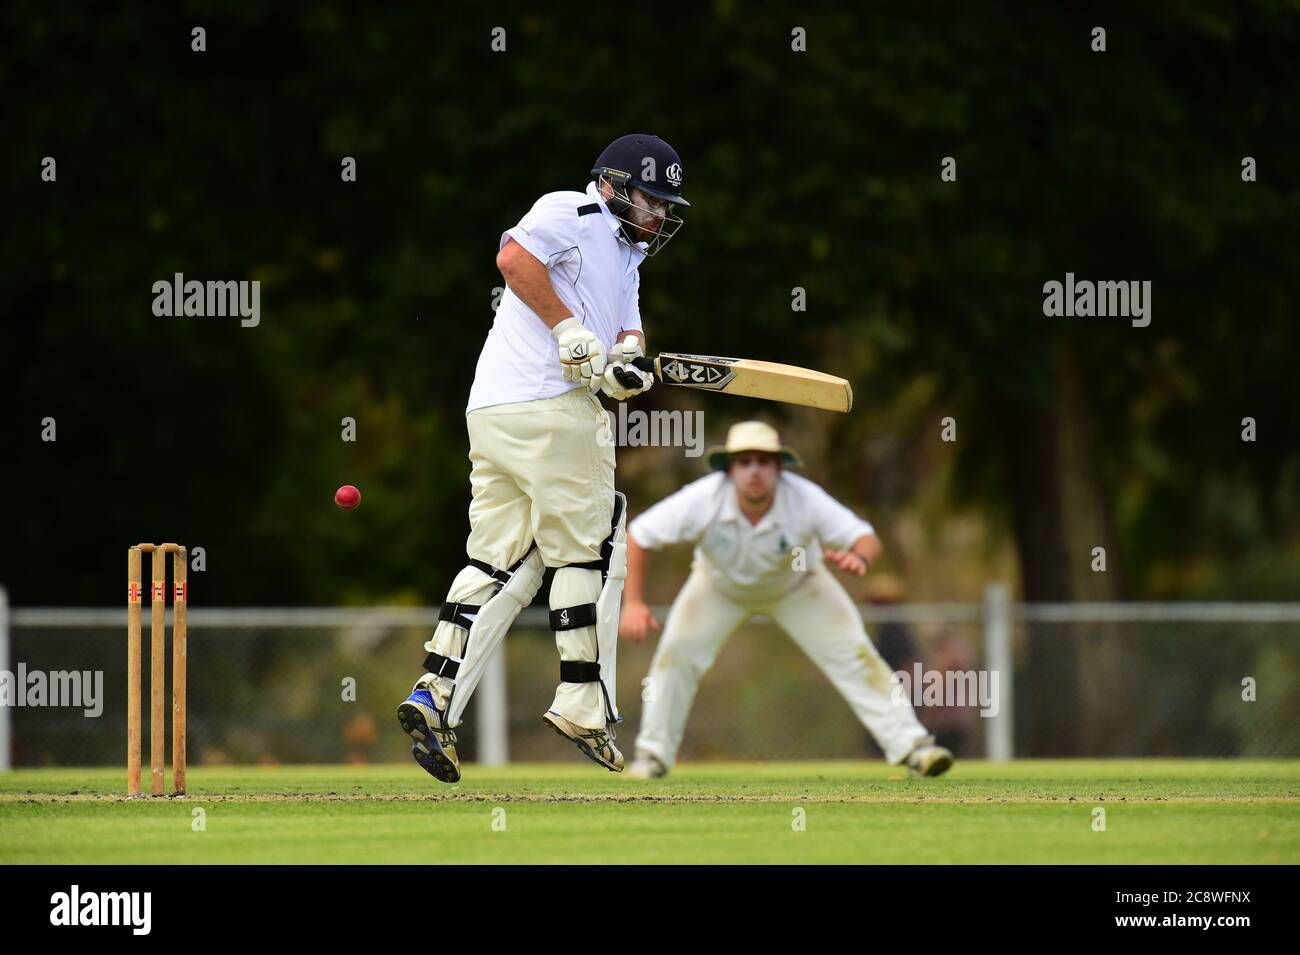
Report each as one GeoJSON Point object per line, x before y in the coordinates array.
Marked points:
{"type": "Point", "coordinates": [751, 378]}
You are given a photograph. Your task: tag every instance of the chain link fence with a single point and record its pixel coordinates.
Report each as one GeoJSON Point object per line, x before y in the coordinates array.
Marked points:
{"type": "Point", "coordinates": [321, 685]}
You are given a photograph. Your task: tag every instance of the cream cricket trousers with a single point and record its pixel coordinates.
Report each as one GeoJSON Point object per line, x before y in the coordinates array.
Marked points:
{"type": "Point", "coordinates": [818, 615]}
{"type": "Point", "coordinates": [542, 471]}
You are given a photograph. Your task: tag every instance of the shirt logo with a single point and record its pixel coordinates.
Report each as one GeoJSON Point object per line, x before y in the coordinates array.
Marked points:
{"type": "Point", "coordinates": [674, 174]}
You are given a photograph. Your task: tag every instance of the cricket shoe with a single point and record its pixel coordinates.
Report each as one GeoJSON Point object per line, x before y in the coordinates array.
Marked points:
{"type": "Point", "coordinates": [435, 742]}
{"type": "Point", "coordinates": [597, 745]}
{"type": "Point", "coordinates": [645, 766]}
{"type": "Point", "coordinates": [929, 760]}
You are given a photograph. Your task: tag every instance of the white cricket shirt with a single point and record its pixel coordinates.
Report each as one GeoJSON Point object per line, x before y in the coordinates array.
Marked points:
{"type": "Point", "coordinates": [750, 561]}
{"type": "Point", "coordinates": [594, 273]}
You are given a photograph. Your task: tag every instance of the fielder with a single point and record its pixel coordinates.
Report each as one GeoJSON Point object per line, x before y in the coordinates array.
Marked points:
{"type": "Point", "coordinates": [542, 458]}
{"type": "Point", "coordinates": [746, 520]}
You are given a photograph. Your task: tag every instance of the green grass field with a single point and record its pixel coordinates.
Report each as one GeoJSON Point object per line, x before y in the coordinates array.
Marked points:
{"type": "Point", "coordinates": [1031, 811]}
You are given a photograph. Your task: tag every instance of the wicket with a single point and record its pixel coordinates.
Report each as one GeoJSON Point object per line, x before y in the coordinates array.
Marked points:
{"type": "Point", "coordinates": [157, 687]}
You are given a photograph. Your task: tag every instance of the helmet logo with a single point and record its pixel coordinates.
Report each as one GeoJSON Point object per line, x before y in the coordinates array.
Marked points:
{"type": "Point", "coordinates": [674, 174]}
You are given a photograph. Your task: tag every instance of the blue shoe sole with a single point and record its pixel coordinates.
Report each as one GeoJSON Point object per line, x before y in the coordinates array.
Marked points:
{"type": "Point", "coordinates": [427, 752]}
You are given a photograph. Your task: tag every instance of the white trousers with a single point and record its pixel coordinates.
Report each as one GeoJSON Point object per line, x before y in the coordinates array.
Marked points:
{"type": "Point", "coordinates": [542, 472]}
{"type": "Point", "coordinates": [818, 615]}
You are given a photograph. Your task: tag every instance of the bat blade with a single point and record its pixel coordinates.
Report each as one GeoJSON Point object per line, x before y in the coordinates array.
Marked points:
{"type": "Point", "coordinates": [752, 378]}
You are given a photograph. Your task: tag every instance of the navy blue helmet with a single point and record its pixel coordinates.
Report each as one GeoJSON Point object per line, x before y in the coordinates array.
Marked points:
{"type": "Point", "coordinates": [644, 164]}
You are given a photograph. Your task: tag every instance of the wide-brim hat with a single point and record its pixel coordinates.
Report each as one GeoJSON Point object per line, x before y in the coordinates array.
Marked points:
{"type": "Point", "coordinates": [751, 436]}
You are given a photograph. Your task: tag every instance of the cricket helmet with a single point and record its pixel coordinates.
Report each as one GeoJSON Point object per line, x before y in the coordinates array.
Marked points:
{"type": "Point", "coordinates": [644, 162]}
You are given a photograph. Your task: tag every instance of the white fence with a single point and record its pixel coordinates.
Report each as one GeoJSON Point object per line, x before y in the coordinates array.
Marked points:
{"type": "Point", "coordinates": [995, 616]}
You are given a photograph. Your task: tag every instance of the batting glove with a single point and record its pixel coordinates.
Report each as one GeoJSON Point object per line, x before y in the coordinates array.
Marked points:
{"type": "Point", "coordinates": [622, 380]}
{"type": "Point", "coordinates": [582, 356]}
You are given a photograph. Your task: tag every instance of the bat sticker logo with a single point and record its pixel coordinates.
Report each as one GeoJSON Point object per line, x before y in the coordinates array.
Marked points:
{"type": "Point", "coordinates": [698, 374]}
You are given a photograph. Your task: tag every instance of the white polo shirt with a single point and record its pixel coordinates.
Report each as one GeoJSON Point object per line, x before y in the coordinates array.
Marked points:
{"type": "Point", "coordinates": [750, 561]}
{"type": "Point", "coordinates": [594, 273]}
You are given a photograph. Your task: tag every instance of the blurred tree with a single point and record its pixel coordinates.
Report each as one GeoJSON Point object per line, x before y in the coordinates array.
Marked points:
{"type": "Point", "coordinates": [818, 170]}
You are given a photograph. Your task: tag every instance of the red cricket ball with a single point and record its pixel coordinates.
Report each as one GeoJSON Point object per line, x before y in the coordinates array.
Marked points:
{"type": "Point", "coordinates": [347, 497]}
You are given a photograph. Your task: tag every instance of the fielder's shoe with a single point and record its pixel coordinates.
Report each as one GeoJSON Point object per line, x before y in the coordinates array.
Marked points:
{"type": "Point", "coordinates": [645, 766]}
{"type": "Point", "coordinates": [435, 743]}
{"type": "Point", "coordinates": [929, 760]}
{"type": "Point", "coordinates": [596, 745]}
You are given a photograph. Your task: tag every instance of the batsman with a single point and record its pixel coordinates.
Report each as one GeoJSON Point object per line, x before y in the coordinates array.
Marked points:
{"type": "Point", "coordinates": [541, 456]}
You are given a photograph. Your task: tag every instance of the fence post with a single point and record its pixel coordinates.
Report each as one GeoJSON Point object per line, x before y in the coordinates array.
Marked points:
{"type": "Point", "coordinates": [493, 713]}
{"type": "Point", "coordinates": [6, 712]}
{"type": "Point", "coordinates": [999, 729]}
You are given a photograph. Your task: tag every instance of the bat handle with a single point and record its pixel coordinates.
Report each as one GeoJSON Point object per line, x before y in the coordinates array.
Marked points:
{"type": "Point", "coordinates": [644, 364]}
